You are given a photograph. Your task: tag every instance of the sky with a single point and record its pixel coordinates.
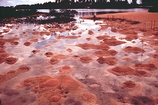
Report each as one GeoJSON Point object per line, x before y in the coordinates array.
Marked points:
{"type": "Point", "coordinates": [18, 2]}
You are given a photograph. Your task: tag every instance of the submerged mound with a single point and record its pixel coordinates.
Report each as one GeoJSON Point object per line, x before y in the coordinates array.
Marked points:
{"type": "Point", "coordinates": [149, 66]}
{"type": "Point", "coordinates": [101, 53]}
{"type": "Point", "coordinates": [113, 42]}
{"type": "Point", "coordinates": [122, 70]}
{"type": "Point", "coordinates": [65, 69]}
{"type": "Point", "coordinates": [132, 49]}
{"type": "Point", "coordinates": [108, 60]}
{"type": "Point", "coordinates": [11, 60]}
{"type": "Point", "coordinates": [85, 59]}
{"type": "Point", "coordinates": [48, 54]}
{"type": "Point", "coordinates": [27, 43]}
{"type": "Point", "coordinates": [87, 46]}
{"type": "Point", "coordinates": [129, 85]}
{"type": "Point", "coordinates": [54, 61]}
{"type": "Point", "coordinates": [126, 70]}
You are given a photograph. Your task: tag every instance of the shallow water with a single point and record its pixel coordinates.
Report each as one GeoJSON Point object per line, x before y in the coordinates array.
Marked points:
{"type": "Point", "coordinates": [87, 66]}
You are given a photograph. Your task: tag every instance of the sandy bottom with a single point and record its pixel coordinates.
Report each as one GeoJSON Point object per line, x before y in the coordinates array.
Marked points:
{"type": "Point", "coordinates": [112, 61]}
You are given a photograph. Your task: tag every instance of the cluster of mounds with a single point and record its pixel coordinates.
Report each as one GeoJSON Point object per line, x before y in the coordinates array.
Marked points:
{"type": "Point", "coordinates": [62, 89]}
{"type": "Point", "coordinates": [5, 56]}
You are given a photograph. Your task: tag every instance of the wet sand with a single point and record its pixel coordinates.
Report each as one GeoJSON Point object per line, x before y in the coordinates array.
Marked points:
{"type": "Point", "coordinates": [111, 61]}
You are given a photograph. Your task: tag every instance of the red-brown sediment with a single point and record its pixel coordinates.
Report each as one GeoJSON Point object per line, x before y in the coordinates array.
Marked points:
{"type": "Point", "coordinates": [4, 55]}
{"type": "Point", "coordinates": [136, 16]}
{"type": "Point", "coordinates": [103, 37]}
{"type": "Point", "coordinates": [126, 70]}
{"type": "Point", "coordinates": [27, 43]}
{"type": "Point", "coordinates": [69, 49]}
{"type": "Point", "coordinates": [54, 61]}
{"type": "Point", "coordinates": [132, 49]}
{"type": "Point", "coordinates": [108, 60]}
{"type": "Point", "coordinates": [65, 69]}
{"type": "Point", "coordinates": [129, 85]}
{"type": "Point", "coordinates": [88, 39]}
{"type": "Point", "coordinates": [87, 46]}
{"type": "Point", "coordinates": [14, 43]}
{"type": "Point", "coordinates": [88, 97]}
{"type": "Point", "coordinates": [48, 54]}
{"type": "Point", "coordinates": [60, 56]}
{"type": "Point", "coordinates": [44, 33]}
{"type": "Point", "coordinates": [142, 73]}
{"type": "Point", "coordinates": [56, 90]}
{"type": "Point", "coordinates": [122, 70]}
{"type": "Point", "coordinates": [113, 42]}
{"type": "Point", "coordinates": [149, 66]}
{"type": "Point", "coordinates": [79, 32]}
{"type": "Point", "coordinates": [11, 60]}
{"type": "Point", "coordinates": [127, 59]}
{"type": "Point", "coordinates": [34, 40]}
{"type": "Point", "coordinates": [101, 53]}
{"type": "Point", "coordinates": [35, 33]}
{"type": "Point", "coordinates": [13, 73]}
{"type": "Point", "coordinates": [154, 55]}
{"type": "Point", "coordinates": [2, 59]}
{"type": "Point", "coordinates": [67, 37]}
{"type": "Point", "coordinates": [131, 37]}
{"type": "Point", "coordinates": [35, 51]}
{"type": "Point", "coordinates": [90, 32]}
{"type": "Point", "coordinates": [85, 59]}
{"type": "Point", "coordinates": [24, 68]}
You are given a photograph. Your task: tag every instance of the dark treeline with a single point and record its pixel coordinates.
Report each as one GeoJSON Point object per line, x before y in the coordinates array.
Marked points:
{"type": "Point", "coordinates": [14, 15]}
{"type": "Point", "coordinates": [58, 4]}
{"type": "Point", "coordinates": [13, 12]}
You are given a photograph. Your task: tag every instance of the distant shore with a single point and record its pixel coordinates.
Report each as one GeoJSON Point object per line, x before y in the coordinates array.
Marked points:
{"type": "Point", "coordinates": [135, 16]}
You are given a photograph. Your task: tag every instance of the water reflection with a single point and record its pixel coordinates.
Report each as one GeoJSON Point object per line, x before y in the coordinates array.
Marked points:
{"type": "Point", "coordinates": [85, 12]}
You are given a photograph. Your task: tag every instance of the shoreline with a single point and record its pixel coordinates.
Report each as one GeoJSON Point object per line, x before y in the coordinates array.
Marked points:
{"type": "Point", "coordinates": [135, 16]}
